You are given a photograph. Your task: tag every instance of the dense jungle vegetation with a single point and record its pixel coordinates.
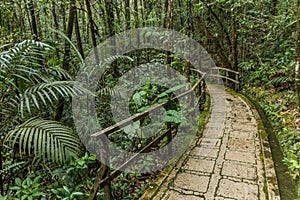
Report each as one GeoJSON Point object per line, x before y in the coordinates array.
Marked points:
{"type": "Point", "coordinates": [42, 44]}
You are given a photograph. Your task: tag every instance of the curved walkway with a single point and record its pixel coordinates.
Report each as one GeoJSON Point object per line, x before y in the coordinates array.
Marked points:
{"type": "Point", "coordinates": [227, 162]}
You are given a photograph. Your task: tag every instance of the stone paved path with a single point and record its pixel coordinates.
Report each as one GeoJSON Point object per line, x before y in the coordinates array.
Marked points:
{"type": "Point", "coordinates": [227, 162]}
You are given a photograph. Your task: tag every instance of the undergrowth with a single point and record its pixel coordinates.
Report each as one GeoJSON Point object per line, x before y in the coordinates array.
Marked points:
{"type": "Point", "coordinates": [283, 112]}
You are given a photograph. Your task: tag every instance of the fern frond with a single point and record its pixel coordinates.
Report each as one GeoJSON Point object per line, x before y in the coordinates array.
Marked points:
{"type": "Point", "coordinates": [46, 140]}
{"type": "Point", "coordinates": [47, 93]}
{"type": "Point", "coordinates": [122, 58]}
{"type": "Point", "coordinates": [281, 80]}
{"type": "Point", "coordinates": [22, 51]}
{"type": "Point", "coordinates": [11, 166]}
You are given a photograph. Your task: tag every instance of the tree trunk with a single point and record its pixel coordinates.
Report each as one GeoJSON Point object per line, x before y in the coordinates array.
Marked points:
{"type": "Point", "coordinates": [166, 14]}
{"type": "Point", "coordinates": [27, 10]}
{"type": "Point", "coordinates": [110, 18]}
{"type": "Point", "coordinates": [66, 59]}
{"type": "Point", "coordinates": [118, 11]}
{"type": "Point", "coordinates": [216, 43]}
{"type": "Point", "coordinates": [38, 20]}
{"type": "Point", "coordinates": [223, 28]}
{"type": "Point", "coordinates": [63, 10]}
{"type": "Point", "coordinates": [136, 19]}
{"type": "Point", "coordinates": [111, 32]}
{"type": "Point", "coordinates": [127, 14]}
{"type": "Point", "coordinates": [170, 14]}
{"type": "Point", "coordinates": [234, 43]}
{"type": "Point", "coordinates": [189, 33]}
{"type": "Point", "coordinates": [55, 19]}
{"type": "Point", "coordinates": [169, 25]}
{"type": "Point", "coordinates": [181, 11]}
{"type": "Point", "coordinates": [92, 28]}
{"type": "Point", "coordinates": [69, 33]}
{"type": "Point", "coordinates": [78, 36]}
{"type": "Point", "coordinates": [56, 25]}
{"type": "Point", "coordinates": [143, 5]}
{"type": "Point", "coordinates": [136, 13]}
{"type": "Point", "coordinates": [33, 21]}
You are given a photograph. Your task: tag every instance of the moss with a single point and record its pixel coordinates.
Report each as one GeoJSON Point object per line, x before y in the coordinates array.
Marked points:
{"type": "Point", "coordinates": [204, 116]}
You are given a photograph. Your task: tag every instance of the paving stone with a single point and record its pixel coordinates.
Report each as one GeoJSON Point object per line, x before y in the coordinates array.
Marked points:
{"type": "Point", "coordinates": [212, 142]}
{"type": "Point", "coordinates": [239, 170]}
{"type": "Point", "coordinates": [237, 190]}
{"type": "Point", "coordinates": [205, 151]}
{"type": "Point", "coordinates": [244, 127]}
{"type": "Point", "coordinates": [199, 165]}
{"type": "Point", "coordinates": [219, 115]}
{"type": "Point", "coordinates": [242, 156]}
{"type": "Point", "coordinates": [220, 110]}
{"type": "Point", "coordinates": [225, 164]}
{"type": "Point", "coordinates": [192, 182]}
{"type": "Point", "coordinates": [241, 144]}
{"type": "Point", "coordinates": [222, 198]}
{"type": "Point", "coordinates": [242, 134]}
{"type": "Point", "coordinates": [217, 122]}
{"type": "Point", "coordinates": [173, 195]}
{"type": "Point", "coordinates": [215, 128]}
{"type": "Point", "coordinates": [250, 120]}
{"type": "Point", "coordinates": [213, 134]}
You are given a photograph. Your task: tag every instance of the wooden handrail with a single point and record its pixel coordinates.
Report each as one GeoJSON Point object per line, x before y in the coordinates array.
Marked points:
{"type": "Point", "coordinates": [227, 77]}
{"type": "Point", "coordinates": [168, 133]}
{"type": "Point", "coordinates": [122, 167]}
{"type": "Point", "coordinates": [220, 76]}
{"type": "Point", "coordinates": [141, 115]}
{"type": "Point", "coordinates": [225, 69]}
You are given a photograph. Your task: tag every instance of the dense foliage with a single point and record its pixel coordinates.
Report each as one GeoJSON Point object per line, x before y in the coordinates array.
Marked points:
{"type": "Point", "coordinates": [43, 43]}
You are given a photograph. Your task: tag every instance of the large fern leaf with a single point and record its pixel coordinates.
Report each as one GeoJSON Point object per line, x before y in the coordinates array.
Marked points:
{"type": "Point", "coordinates": [46, 140]}
{"type": "Point", "coordinates": [282, 80]}
{"type": "Point", "coordinates": [26, 49]}
{"type": "Point", "coordinates": [44, 94]}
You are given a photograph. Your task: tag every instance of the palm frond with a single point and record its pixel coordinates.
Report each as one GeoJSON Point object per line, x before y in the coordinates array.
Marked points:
{"type": "Point", "coordinates": [45, 93]}
{"type": "Point", "coordinates": [58, 73]}
{"type": "Point", "coordinates": [22, 51]}
{"type": "Point", "coordinates": [46, 140]}
{"type": "Point", "coordinates": [107, 91]}
{"type": "Point", "coordinates": [71, 43]}
{"type": "Point", "coordinates": [121, 58]}
{"type": "Point", "coordinates": [281, 80]}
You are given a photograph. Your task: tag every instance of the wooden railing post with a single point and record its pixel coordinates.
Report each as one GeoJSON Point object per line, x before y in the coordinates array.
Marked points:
{"type": "Point", "coordinates": [169, 135]}
{"type": "Point", "coordinates": [100, 174]}
{"type": "Point", "coordinates": [237, 83]}
{"type": "Point", "coordinates": [226, 80]}
{"type": "Point", "coordinates": [103, 172]}
{"type": "Point", "coordinates": [104, 175]}
{"type": "Point", "coordinates": [107, 187]}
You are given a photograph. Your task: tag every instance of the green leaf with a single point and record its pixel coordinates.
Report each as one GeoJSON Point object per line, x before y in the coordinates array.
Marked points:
{"type": "Point", "coordinates": [71, 43]}
{"type": "Point", "coordinates": [49, 140]}
{"type": "Point", "coordinates": [18, 181]}
{"type": "Point", "coordinates": [66, 189]}
{"type": "Point", "coordinates": [15, 188]}
{"type": "Point", "coordinates": [92, 157]}
{"type": "Point", "coordinates": [77, 193]}
{"type": "Point", "coordinates": [173, 116]}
